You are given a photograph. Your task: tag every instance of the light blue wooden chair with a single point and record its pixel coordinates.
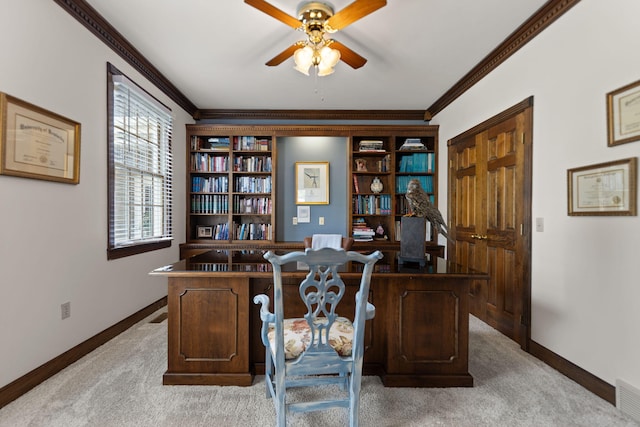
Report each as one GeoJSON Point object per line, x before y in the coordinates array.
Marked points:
{"type": "Point", "coordinates": [320, 348]}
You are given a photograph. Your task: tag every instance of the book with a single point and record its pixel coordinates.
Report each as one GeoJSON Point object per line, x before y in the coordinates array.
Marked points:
{"type": "Point", "coordinates": [413, 144]}
{"type": "Point", "coordinates": [370, 145]}
{"type": "Point", "coordinates": [356, 185]}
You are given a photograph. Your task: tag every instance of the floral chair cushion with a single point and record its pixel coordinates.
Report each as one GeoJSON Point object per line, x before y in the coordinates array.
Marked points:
{"type": "Point", "coordinates": [297, 336]}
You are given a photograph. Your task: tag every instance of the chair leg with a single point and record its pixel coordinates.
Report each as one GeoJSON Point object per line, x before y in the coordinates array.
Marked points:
{"type": "Point", "coordinates": [354, 397]}
{"type": "Point", "coordinates": [281, 410]}
{"type": "Point", "coordinates": [268, 372]}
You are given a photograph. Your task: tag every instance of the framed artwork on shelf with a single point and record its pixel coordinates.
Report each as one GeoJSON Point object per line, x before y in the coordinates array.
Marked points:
{"type": "Point", "coordinates": [36, 143]}
{"type": "Point", "coordinates": [312, 183]}
{"type": "Point", "coordinates": [204, 231]}
{"type": "Point", "coordinates": [623, 114]}
{"type": "Point", "coordinates": [604, 189]}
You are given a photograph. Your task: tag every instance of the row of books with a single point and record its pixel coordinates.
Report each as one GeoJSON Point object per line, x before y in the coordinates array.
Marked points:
{"type": "Point", "coordinates": [252, 205]}
{"type": "Point", "coordinates": [251, 143]}
{"type": "Point", "coordinates": [370, 145]}
{"type": "Point", "coordinates": [210, 143]}
{"type": "Point", "coordinates": [220, 231]}
{"type": "Point", "coordinates": [205, 162]}
{"type": "Point", "coordinates": [252, 184]}
{"type": "Point", "coordinates": [209, 204]}
{"type": "Point", "coordinates": [210, 184]}
{"type": "Point", "coordinates": [417, 162]}
{"type": "Point", "coordinates": [244, 231]}
{"type": "Point", "coordinates": [208, 266]}
{"type": "Point", "coordinates": [403, 181]}
{"type": "Point", "coordinates": [363, 234]}
{"type": "Point", "coordinates": [252, 164]}
{"type": "Point", "coordinates": [371, 205]}
{"type": "Point", "coordinates": [253, 231]}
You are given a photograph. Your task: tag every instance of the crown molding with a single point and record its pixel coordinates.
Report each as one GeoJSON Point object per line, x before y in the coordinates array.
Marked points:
{"type": "Point", "coordinates": [287, 115]}
{"type": "Point", "coordinates": [99, 26]}
{"type": "Point", "coordinates": [540, 20]}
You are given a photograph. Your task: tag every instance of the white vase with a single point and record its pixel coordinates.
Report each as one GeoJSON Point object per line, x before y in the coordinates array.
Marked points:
{"type": "Point", "coordinates": [376, 185]}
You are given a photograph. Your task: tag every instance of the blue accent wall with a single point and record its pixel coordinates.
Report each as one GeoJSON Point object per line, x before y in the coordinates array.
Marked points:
{"type": "Point", "coordinates": [311, 149]}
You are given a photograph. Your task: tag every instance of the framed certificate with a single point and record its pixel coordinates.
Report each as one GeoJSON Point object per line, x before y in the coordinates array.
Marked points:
{"type": "Point", "coordinates": [312, 183]}
{"type": "Point", "coordinates": [36, 143]}
{"type": "Point", "coordinates": [604, 189]}
{"type": "Point", "coordinates": [623, 114]}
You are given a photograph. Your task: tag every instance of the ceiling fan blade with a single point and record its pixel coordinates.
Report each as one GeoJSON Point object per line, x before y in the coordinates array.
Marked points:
{"type": "Point", "coordinates": [274, 12]}
{"type": "Point", "coordinates": [348, 56]}
{"type": "Point", "coordinates": [283, 56]}
{"type": "Point", "coordinates": [353, 12]}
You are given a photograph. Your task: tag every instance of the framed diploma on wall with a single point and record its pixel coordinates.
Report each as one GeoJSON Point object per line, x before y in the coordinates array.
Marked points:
{"type": "Point", "coordinates": [623, 114]}
{"type": "Point", "coordinates": [604, 189]}
{"type": "Point", "coordinates": [36, 143]}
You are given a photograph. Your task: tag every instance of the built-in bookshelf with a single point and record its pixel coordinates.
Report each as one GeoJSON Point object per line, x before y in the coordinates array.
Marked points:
{"type": "Point", "coordinates": [389, 161]}
{"type": "Point", "coordinates": [230, 186]}
{"type": "Point", "coordinates": [231, 182]}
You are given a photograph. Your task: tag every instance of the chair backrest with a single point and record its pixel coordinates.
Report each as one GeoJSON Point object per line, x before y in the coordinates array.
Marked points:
{"type": "Point", "coordinates": [316, 241]}
{"type": "Point", "coordinates": [321, 291]}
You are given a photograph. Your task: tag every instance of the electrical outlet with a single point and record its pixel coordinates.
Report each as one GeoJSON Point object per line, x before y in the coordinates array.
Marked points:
{"type": "Point", "coordinates": [65, 310]}
{"type": "Point", "coordinates": [295, 220]}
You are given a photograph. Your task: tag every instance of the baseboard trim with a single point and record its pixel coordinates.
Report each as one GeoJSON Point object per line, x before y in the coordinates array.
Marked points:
{"type": "Point", "coordinates": [17, 388]}
{"type": "Point", "coordinates": [586, 379]}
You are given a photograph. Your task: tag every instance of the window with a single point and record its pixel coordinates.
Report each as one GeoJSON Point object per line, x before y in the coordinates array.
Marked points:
{"type": "Point", "coordinates": [140, 169]}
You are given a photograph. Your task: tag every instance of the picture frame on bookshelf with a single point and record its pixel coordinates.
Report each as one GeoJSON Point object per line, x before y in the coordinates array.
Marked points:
{"type": "Point", "coordinates": [37, 143]}
{"type": "Point", "coordinates": [603, 189]}
{"type": "Point", "coordinates": [623, 114]}
{"type": "Point", "coordinates": [312, 183]}
{"type": "Point", "coordinates": [204, 232]}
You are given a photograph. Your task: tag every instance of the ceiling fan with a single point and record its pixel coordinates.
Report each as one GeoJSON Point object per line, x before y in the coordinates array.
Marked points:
{"type": "Point", "coordinates": [316, 19]}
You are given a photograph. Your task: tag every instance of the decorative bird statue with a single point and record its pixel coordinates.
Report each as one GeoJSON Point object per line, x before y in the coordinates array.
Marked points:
{"type": "Point", "coordinates": [422, 207]}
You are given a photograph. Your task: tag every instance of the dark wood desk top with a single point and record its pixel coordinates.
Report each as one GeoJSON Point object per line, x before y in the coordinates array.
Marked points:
{"type": "Point", "coordinates": [250, 262]}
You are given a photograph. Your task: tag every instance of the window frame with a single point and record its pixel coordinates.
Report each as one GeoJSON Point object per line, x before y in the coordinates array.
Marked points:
{"type": "Point", "coordinates": [114, 250]}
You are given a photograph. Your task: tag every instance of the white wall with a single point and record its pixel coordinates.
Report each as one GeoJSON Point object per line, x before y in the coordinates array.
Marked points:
{"type": "Point", "coordinates": [53, 236]}
{"type": "Point", "coordinates": [585, 270]}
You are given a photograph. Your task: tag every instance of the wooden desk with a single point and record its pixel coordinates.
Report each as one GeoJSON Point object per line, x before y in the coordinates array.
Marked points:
{"type": "Point", "coordinates": [419, 337]}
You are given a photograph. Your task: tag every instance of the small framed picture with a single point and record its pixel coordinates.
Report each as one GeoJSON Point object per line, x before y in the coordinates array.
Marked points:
{"type": "Point", "coordinates": [204, 231]}
{"type": "Point", "coordinates": [312, 183]}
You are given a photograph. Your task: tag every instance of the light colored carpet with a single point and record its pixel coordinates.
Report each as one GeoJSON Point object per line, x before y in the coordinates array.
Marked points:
{"type": "Point", "coordinates": [120, 384]}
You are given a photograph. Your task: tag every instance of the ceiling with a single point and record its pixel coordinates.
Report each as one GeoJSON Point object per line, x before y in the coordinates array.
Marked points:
{"type": "Point", "coordinates": [214, 51]}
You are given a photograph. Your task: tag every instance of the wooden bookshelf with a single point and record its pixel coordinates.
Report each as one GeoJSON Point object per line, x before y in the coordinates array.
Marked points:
{"type": "Point", "coordinates": [232, 169]}
{"type": "Point", "coordinates": [230, 185]}
{"type": "Point", "coordinates": [392, 158]}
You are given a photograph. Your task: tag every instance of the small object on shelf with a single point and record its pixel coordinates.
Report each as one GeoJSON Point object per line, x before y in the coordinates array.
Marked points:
{"type": "Point", "coordinates": [361, 165]}
{"type": "Point", "coordinates": [381, 233]}
{"type": "Point", "coordinates": [376, 185]}
{"type": "Point", "coordinates": [413, 144]}
{"type": "Point", "coordinates": [370, 145]}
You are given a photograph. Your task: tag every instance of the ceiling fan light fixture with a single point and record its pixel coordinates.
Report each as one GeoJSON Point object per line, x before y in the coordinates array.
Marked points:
{"type": "Point", "coordinates": [328, 59]}
{"type": "Point", "coordinates": [303, 58]}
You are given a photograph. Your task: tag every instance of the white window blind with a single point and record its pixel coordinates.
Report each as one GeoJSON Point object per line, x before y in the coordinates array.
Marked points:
{"type": "Point", "coordinates": [140, 167]}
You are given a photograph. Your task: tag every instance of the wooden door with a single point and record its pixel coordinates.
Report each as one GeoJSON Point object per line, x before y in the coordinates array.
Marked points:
{"type": "Point", "coordinates": [490, 214]}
